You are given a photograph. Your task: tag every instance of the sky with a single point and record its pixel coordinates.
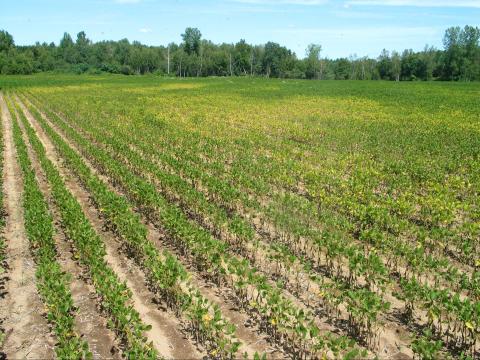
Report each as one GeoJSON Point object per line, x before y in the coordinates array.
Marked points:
{"type": "Point", "coordinates": [343, 27]}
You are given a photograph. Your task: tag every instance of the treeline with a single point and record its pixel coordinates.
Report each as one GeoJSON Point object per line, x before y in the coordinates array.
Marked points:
{"type": "Point", "coordinates": [194, 56]}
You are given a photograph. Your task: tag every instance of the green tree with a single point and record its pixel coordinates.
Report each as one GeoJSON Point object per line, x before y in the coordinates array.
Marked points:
{"type": "Point", "coordinates": [342, 69]}
{"type": "Point", "coordinates": [192, 40]}
{"type": "Point", "coordinates": [242, 58]}
{"type": "Point", "coordinates": [313, 63]}
{"type": "Point", "coordinates": [122, 51]}
{"type": "Point", "coordinates": [409, 65]}
{"type": "Point", "coordinates": [452, 62]}
{"type": "Point", "coordinates": [43, 57]}
{"type": "Point", "coordinates": [429, 58]}
{"type": "Point", "coordinates": [277, 60]}
{"type": "Point", "coordinates": [396, 65]}
{"type": "Point", "coordinates": [82, 47]}
{"type": "Point", "coordinates": [142, 59]}
{"type": "Point", "coordinates": [384, 65]}
{"type": "Point", "coordinates": [6, 41]}
{"type": "Point", "coordinates": [469, 40]}
{"type": "Point", "coordinates": [194, 56]}
{"type": "Point", "coordinates": [67, 49]}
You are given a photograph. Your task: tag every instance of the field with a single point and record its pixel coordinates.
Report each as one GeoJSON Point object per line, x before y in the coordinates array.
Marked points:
{"type": "Point", "coordinates": [235, 217]}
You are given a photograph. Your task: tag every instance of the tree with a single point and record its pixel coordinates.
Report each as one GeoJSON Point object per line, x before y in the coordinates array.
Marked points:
{"type": "Point", "coordinates": [384, 65]}
{"type": "Point", "coordinates": [469, 40]}
{"type": "Point", "coordinates": [342, 69]}
{"type": "Point", "coordinates": [353, 67]}
{"type": "Point", "coordinates": [194, 56]}
{"type": "Point", "coordinates": [452, 61]}
{"type": "Point", "coordinates": [277, 60]}
{"type": "Point", "coordinates": [18, 62]}
{"type": "Point", "coordinates": [66, 41]}
{"type": "Point", "coordinates": [6, 41]}
{"type": "Point", "coordinates": [122, 51]}
{"type": "Point", "coordinates": [428, 56]}
{"type": "Point", "coordinates": [82, 40]}
{"type": "Point", "coordinates": [66, 49]}
{"type": "Point", "coordinates": [142, 59]}
{"type": "Point", "coordinates": [43, 57]}
{"type": "Point", "coordinates": [81, 45]}
{"type": "Point", "coordinates": [313, 69]}
{"type": "Point", "coordinates": [191, 40]}
{"type": "Point", "coordinates": [462, 51]}
{"type": "Point", "coordinates": [242, 58]}
{"type": "Point", "coordinates": [367, 69]}
{"type": "Point", "coordinates": [396, 65]}
{"type": "Point", "coordinates": [408, 65]}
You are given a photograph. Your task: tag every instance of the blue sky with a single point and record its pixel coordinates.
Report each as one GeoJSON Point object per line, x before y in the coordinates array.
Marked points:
{"type": "Point", "coordinates": [343, 27]}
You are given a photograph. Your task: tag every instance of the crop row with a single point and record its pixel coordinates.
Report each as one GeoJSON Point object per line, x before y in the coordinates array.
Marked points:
{"type": "Point", "coordinates": [90, 250]}
{"type": "Point", "coordinates": [393, 249]}
{"type": "Point", "coordinates": [165, 273]}
{"type": "Point", "coordinates": [375, 187]}
{"type": "Point", "coordinates": [257, 161]}
{"type": "Point", "coordinates": [284, 212]}
{"type": "Point", "coordinates": [282, 320]}
{"type": "Point", "coordinates": [412, 258]}
{"type": "Point", "coordinates": [52, 283]}
{"type": "Point", "coordinates": [212, 158]}
{"type": "Point", "coordinates": [3, 245]}
{"type": "Point", "coordinates": [342, 248]}
{"type": "Point", "coordinates": [363, 306]}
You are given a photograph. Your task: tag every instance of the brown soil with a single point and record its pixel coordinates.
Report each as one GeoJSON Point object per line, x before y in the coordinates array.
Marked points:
{"type": "Point", "coordinates": [394, 337]}
{"type": "Point", "coordinates": [252, 340]}
{"type": "Point", "coordinates": [89, 322]}
{"type": "Point", "coordinates": [27, 332]}
{"type": "Point", "coordinates": [165, 333]}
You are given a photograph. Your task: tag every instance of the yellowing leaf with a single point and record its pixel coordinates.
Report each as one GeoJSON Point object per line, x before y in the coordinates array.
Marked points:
{"type": "Point", "coordinates": [207, 318]}
{"type": "Point", "coordinates": [469, 325]}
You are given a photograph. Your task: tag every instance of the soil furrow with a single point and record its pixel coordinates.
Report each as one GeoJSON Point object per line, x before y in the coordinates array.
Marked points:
{"type": "Point", "coordinates": [393, 339]}
{"type": "Point", "coordinates": [88, 321]}
{"type": "Point", "coordinates": [252, 341]}
{"type": "Point", "coordinates": [27, 334]}
{"type": "Point", "coordinates": [165, 334]}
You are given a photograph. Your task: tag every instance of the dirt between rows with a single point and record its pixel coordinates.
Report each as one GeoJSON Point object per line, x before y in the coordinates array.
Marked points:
{"type": "Point", "coordinates": [165, 333]}
{"type": "Point", "coordinates": [394, 334]}
{"type": "Point", "coordinates": [89, 322]}
{"type": "Point", "coordinates": [393, 337]}
{"type": "Point", "coordinates": [27, 334]}
{"type": "Point", "coordinates": [252, 341]}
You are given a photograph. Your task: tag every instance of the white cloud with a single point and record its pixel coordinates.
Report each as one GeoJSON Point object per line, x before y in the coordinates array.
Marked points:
{"type": "Point", "coordinates": [128, 1]}
{"type": "Point", "coordinates": [145, 30]}
{"type": "Point", "coordinates": [365, 32]}
{"type": "Point", "coordinates": [417, 3]}
{"type": "Point", "coordinates": [250, 9]}
{"type": "Point", "coordinates": [283, 2]}
{"type": "Point", "coordinates": [363, 40]}
{"type": "Point", "coordinates": [348, 14]}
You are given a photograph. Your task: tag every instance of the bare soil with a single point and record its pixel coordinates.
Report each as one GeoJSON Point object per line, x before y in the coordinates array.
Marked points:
{"type": "Point", "coordinates": [27, 334]}
{"type": "Point", "coordinates": [165, 333]}
{"type": "Point", "coordinates": [89, 322]}
{"type": "Point", "coordinates": [252, 340]}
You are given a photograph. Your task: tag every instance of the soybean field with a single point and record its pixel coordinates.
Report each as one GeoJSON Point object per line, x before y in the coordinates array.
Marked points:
{"type": "Point", "coordinates": [225, 218]}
